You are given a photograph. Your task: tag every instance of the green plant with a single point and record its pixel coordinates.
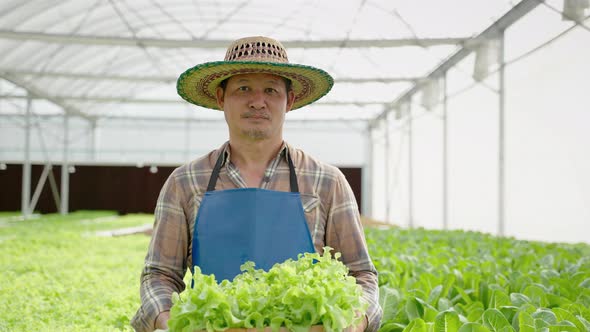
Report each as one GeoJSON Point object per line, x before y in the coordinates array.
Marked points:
{"type": "Point", "coordinates": [429, 278]}
{"type": "Point", "coordinates": [312, 290]}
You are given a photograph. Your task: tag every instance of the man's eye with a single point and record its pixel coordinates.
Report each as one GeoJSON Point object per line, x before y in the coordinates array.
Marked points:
{"type": "Point", "coordinates": [271, 90]}
{"type": "Point", "coordinates": [243, 88]}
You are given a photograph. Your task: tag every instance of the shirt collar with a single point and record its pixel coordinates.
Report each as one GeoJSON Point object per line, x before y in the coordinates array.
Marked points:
{"type": "Point", "coordinates": [226, 150]}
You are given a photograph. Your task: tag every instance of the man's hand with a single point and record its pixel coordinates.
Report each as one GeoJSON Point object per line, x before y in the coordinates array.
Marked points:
{"type": "Point", "coordinates": [162, 320]}
{"type": "Point", "coordinates": [360, 327]}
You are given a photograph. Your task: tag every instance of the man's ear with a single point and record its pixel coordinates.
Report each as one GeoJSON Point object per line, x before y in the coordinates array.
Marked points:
{"type": "Point", "coordinates": [290, 100]}
{"type": "Point", "coordinates": [219, 94]}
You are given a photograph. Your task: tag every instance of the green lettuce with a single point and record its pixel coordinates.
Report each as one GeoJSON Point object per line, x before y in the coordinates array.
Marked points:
{"type": "Point", "coordinates": [297, 294]}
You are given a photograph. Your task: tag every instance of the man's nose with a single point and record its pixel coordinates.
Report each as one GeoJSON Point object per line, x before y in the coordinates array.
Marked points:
{"type": "Point", "coordinates": [258, 99]}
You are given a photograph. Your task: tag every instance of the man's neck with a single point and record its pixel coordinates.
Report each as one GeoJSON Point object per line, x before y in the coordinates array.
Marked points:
{"type": "Point", "coordinates": [252, 158]}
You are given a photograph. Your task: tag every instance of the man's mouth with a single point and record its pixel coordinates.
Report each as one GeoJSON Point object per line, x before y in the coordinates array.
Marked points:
{"type": "Point", "coordinates": [256, 116]}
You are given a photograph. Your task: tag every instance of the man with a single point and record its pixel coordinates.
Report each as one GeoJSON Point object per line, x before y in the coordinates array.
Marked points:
{"type": "Point", "coordinates": [256, 197]}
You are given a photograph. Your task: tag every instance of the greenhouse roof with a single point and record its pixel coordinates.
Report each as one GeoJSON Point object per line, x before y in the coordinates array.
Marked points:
{"type": "Point", "coordinates": [117, 58]}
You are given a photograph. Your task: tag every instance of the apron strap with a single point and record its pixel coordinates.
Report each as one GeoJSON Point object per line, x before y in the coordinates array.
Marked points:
{"type": "Point", "coordinates": [221, 158]}
{"type": "Point", "coordinates": [215, 173]}
{"type": "Point", "coordinates": [292, 175]}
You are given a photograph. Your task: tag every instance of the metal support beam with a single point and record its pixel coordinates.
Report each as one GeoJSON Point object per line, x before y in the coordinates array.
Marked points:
{"type": "Point", "coordinates": [445, 143]}
{"type": "Point", "coordinates": [54, 191]}
{"type": "Point", "coordinates": [187, 140]}
{"type": "Point", "coordinates": [89, 76]}
{"type": "Point", "coordinates": [39, 188]}
{"type": "Point", "coordinates": [93, 141]}
{"type": "Point", "coordinates": [492, 32]}
{"type": "Point", "coordinates": [205, 44]}
{"type": "Point", "coordinates": [410, 169]}
{"type": "Point", "coordinates": [501, 141]}
{"type": "Point", "coordinates": [387, 170]}
{"type": "Point", "coordinates": [65, 175]}
{"type": "Point", "coordinates": [172, 79]}
{"type": "Point", "coordinates": [193, 121]}
{"type": "Point", "coordinates": [47, 170]}
{"type": "Point", "coordinates": [153, 101]}
{"type": "Point", "coordinates": [37, 93]}
{"type": "Point", "coordinates": [26, 178]}
{"type": "Point", "coordinates": [367, 175]}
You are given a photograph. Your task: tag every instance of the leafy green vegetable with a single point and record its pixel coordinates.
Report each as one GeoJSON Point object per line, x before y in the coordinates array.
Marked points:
{"type": "Point", "coordinates": [58, 276]}
{"type": "Point", "coordinates": [388, 300]}
{"type": "Point", "coordinates": [524, 322]}
{"type": "Point", "coordinates": [472, 273]}
{"type": "Point", "coordinates": [55, 269]}
{"type": "Point", "coordinates": [416, 325]}
{"type": "Point", "coordinates": [312, 290]}
{"type": "Point", "coordinates": [495, 321]}
{"type": "Point", "coordinates": [473, 327]}
{"type": "Point", "coordinates": [447, 321]}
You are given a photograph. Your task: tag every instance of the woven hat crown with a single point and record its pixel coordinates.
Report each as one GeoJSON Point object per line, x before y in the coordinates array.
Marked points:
{"type": "Point", "coordinates": [257, 49]}
{"type": "Point", "coordinates": [251, 55]}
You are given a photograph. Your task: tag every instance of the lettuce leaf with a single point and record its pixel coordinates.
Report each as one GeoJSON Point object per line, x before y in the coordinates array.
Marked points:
{"type": "Point", "coordinates": [297, 294]}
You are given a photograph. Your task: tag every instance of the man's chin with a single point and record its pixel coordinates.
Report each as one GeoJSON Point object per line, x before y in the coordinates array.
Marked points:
{"type": "Point", "coordinates": [255, 134]}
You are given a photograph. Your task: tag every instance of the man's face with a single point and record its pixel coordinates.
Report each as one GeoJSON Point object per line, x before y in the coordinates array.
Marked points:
{"type": "Point", "coordinates": [255, 106]}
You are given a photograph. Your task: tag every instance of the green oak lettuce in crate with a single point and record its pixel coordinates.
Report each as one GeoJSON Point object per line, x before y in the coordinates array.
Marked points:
{"type": "Point", "coordinates": [296, 294]}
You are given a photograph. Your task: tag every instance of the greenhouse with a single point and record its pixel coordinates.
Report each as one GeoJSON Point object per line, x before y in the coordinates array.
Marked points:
{"type": "Point", "coordinates": [460, 127]}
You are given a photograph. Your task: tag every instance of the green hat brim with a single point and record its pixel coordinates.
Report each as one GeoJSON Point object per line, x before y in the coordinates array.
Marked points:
{"type": "Point", "coordinates": [197, 85]}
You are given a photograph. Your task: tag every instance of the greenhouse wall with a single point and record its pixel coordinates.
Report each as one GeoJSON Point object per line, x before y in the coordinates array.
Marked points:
{"type": "Point", "coordinates": [124, 189]}
{"type": "Point", "coordinates": [547, 117]}
{"type": "Point", "coordinates": [144, 141]}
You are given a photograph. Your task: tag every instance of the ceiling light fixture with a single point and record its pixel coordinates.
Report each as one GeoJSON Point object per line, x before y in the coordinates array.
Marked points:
{"type": "Point", "coordinates": [574, 10]}
{"type": "Point", "coordinates": [431, 94]}
{"type": "Point", "coordinates": [486, 56]}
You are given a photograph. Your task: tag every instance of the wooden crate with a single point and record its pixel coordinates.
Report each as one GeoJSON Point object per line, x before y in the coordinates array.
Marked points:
{"type": "Point", "coordinates": [315, 328]}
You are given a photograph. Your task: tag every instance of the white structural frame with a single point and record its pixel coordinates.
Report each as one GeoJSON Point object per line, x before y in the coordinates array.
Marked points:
{"type": "Point", "coordinates": [501, 141]}
{"type": "Point", "coordinates": [494, 31]}
{"type": "Point", "coordinates": [26, 181]}
{"type": "Point", "coordinates": [29, 203]}
{"type": "Point", "coordinates": [445, 154]}
{"type": "Point", "coordinates": [200, 43]}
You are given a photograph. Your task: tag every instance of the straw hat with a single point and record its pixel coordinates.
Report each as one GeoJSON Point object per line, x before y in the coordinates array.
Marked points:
{"type": "Point", "coordinates": [253, 55]}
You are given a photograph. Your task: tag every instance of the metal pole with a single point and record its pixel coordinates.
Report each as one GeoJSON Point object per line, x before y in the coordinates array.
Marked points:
{"type": "Point", "coordinates": [387, 170]}
{"type": "Point", "coordinates": [445, 155]}
{"type": "Point", "coordinates": [92, 142]}
{"type": "Point", "coordinates": [187, 140]}
{"type": "Point", "coordinates": [26, 178]}
{"type": "Point", "coordinates": [65, 175]}
{"type": "Point", "coordinates": [39, 187]}
{"type": "Point", "coordinates": [501, 156]}
{"type": "Point", "coordinates": [367, 176]}
{"type": "Point", "coordinates": [53, 186]}
{"type": "Point", "coordinates": [410, 169]}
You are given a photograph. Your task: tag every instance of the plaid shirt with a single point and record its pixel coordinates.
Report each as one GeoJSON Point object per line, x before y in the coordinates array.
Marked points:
{"type": "Point", "coordinates": [328, 202]}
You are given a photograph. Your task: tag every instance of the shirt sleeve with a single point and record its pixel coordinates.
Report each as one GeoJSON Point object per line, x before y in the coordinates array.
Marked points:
{"type": "Point", "coordinates": [165, 262]}
{"type": "Point", "coordinates": [344, 233]}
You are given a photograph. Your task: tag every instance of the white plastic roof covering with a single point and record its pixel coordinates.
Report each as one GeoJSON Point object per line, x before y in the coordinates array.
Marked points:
{"type": "Point", "coordinates": [119, 59]}
{"type": "Point", "coordinates": [110, 58]}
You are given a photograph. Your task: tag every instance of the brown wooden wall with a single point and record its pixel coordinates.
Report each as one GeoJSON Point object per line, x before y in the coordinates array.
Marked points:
{"type": "Point", "coordinates": [126, 189]}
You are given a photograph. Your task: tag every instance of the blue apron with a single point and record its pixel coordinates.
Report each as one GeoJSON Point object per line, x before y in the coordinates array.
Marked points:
{"type": "Point", "coordinates": [248, 224]}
